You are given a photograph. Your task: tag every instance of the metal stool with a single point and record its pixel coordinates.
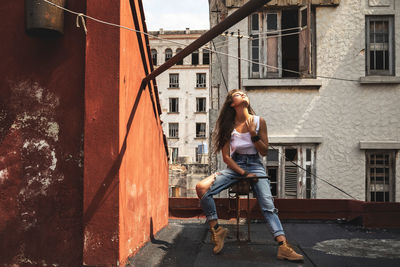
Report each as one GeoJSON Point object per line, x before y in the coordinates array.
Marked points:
{"type": "Point", "coordinates": [241, 188]}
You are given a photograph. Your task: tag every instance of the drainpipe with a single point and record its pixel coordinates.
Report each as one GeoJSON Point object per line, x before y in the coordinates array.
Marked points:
{"type": "Point", "coordinates": [221, 27]}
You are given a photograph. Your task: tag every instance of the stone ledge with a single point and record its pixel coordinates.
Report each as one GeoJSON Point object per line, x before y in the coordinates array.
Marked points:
{"type": "Point", "coordinates": [307, 83]}
{"type": "Point", "coordinates": [379, 144]}
{"type": "Point", "coordinates": [380, 80]}
{"type": "Point", "coordinates": [295, 139]}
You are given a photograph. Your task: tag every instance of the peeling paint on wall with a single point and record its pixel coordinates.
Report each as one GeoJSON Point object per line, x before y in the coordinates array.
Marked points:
{"type": "Point", "coordinates": [3, 175]}
{"type": "Point", "coordinates": [40, 131]}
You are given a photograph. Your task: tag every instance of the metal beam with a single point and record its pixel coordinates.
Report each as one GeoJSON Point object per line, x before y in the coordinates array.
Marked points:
{"type": "Point", "coordinates": [221, 27]}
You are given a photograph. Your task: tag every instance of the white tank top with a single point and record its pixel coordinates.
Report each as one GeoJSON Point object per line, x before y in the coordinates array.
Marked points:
{"type": "Point", "coordinates": [241, 142]}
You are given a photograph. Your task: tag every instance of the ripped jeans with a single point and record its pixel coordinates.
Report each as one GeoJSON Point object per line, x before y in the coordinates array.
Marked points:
{"type": "Point", "coordinates": [261, 189]}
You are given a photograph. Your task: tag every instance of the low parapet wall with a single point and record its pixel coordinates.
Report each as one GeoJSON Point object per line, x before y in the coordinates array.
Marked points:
{"type": "Point", "coordinates": [369, 214]}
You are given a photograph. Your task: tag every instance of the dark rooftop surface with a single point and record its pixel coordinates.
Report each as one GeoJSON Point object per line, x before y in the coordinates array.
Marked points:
{"type": "Point", "coordinates": [187, 243]}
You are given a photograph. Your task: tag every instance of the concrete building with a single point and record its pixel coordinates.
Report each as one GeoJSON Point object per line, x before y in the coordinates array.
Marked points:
{"type": "Point", "coordinates": [184, 94]}
{"type": "Point", "coordinates": [325, 76]}
{"type": "Point", "coordinates": [184, 97]}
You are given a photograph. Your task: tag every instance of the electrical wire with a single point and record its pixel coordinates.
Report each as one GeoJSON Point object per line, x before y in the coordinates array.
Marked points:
{"type": "Point", "coordinates": [312, 174]}
{"type": "Point", "coordinates": [206, 48]}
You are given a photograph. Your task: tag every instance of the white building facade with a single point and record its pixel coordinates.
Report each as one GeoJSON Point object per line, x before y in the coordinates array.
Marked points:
{"type": "Point", "coordinates": [325, 75]}
{"type": "Point", "coordinates": [184, 95]}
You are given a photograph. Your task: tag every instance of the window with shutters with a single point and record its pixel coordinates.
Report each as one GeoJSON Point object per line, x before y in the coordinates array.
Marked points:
{"type": "Point", "coordinates": [195, 57]}
{"type": "Point", "coordinates": [180, 62]}
{"type": "Point", "coordinates": [200, 130]}
{"type": "Point", "coordinates": [290, 169]}
{"type": "Point", "coordinates": [380, 171]}
{"type": "Point", "coordinates": [168, 54]}
{"type": "Point", "coordinates": [201, 81]}
{"type": "Point", "coordinates": [282, 43]}
{"type": "Point", "coordinates": [379, 45]}
{"type": "Point", "coordinates": [206, 57]}
{"type": "Point", "coordinates": [173, 80]}
{"type": "Point", "coordinates": [173, 105]}
{"type": "Point", "coordinates": [200, 104]}
{"type": "Point", "coordinates": [173, 130]}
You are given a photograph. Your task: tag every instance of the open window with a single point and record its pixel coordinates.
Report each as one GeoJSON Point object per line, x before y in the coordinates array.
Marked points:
{"type": "Point", "coordinates": [282, 43]}
{"type": "Point", "coordinates": [305, 41]}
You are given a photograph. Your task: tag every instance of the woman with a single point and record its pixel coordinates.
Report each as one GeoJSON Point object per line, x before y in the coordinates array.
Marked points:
{"type": "Point", "coordinates": [241, 136]}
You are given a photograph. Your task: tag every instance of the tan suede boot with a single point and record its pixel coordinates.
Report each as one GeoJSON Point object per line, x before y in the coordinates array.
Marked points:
{"type": "Point", "coordinates": [286, 252]}
{"type": "Point", "coordinates": [218, 237]}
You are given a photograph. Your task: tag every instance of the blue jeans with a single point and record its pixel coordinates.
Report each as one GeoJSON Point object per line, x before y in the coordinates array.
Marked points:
{"type": "Point", "coordinates": [261, 189]}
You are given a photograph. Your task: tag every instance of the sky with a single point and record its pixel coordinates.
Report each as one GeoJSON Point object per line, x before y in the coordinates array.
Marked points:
{"type": "Point", "coordinates": [176, 14]}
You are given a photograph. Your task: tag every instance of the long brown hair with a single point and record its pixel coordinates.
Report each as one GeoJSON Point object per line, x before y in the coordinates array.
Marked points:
{"type": "Point", "coordinates": [226, 122]}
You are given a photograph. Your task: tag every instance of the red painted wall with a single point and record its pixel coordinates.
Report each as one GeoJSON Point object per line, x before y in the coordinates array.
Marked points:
{"type": "Point", "coordinates": [369, 214]}
{"type": "Point", "coordinates": [144, 171]}
{"type": "Point", "coordinates": [101, 164]}
{"type": "Point", "coordinates": [126, 171]}
{"type": "Point", "coordinates": [83, 176]}
{"type": "Point", "coordinates": [41, 142]}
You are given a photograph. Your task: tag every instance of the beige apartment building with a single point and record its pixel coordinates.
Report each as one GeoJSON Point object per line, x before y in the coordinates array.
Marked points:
{"type": "Point", "coordinates": [184, 96]}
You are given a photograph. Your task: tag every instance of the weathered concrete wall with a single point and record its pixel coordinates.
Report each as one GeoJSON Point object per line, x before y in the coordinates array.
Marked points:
{"type": "Point", "coordinates": [126, 171]}
{"type": "Point", "coordinates": [41, 142]}
{"type": "Point", "coordinates": [186, 176]}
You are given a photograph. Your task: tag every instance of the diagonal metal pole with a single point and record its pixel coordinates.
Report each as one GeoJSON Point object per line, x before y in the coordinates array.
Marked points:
{"type": "Point", "coordinates": [221, 27]}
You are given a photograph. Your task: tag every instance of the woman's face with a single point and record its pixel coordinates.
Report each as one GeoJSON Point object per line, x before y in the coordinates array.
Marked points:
{"type": "Point", "coordinates": [239, 98]}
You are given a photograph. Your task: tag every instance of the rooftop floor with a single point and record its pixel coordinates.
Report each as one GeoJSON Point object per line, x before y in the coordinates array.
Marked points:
{"type": "Point", "coordinates": [187, 243]}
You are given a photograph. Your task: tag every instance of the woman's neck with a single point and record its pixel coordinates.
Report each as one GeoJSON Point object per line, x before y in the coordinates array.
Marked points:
{"type": "Point", "coordinates": [242, 114]}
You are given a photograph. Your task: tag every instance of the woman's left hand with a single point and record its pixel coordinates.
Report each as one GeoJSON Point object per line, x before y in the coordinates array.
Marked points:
{"type": "Point", "coordinates": [251, 126]}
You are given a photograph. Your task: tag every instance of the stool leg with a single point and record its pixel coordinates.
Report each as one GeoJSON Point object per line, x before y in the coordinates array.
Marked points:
{"type": "Point", "coordinates": [248, 217]}
{"type": "Point", "coordinates": [237, 215]}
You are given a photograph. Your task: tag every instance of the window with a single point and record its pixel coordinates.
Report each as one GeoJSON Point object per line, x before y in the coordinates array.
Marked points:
{"type": "Point", "coordinates": [200, 80]}
{"type": "Point", "coordinates": [180, 62]}
{"type": "Point", "coordinates": [175, 191]}
{"type": "Point", "coordinates": [200, 104]}
{"type": "Point", "coordinates": [201, 152]}
{"type": "Point", "coordinates": [287, 180]}
{"type": "Point", "coordinates": [174, 155]}
{"type": "Point", "coordinates": [379, 47]}
{"type": "Point", "coordinates": [173, 80]}
{"type": "Point", "coordinates": [198, 156]}
{"type": "Point", "coordinates": [200, 130]}
{"type": "Point", "coordinates": [206, 57]}
{"type": "Point", "coordinates": [154, 56]}
{"type": "Point", "coordinates": [282, 43]}
{"type": "Point", "coordinates": [174, 104]}
{"type": "Point", "coordinates": [195, 57]}
{"type": "Point", "coordinates": [380, 181]}
{"type": "Point", "coordinates": [173, 130]}
{"type": "Point", "coordinates": [168, 53]}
